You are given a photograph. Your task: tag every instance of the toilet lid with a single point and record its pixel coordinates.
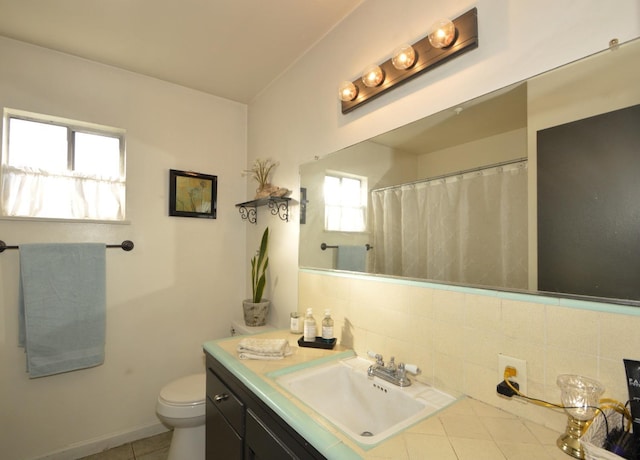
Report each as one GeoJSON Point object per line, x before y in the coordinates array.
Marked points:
{"type": "Point", "coordinates": [186, 390]}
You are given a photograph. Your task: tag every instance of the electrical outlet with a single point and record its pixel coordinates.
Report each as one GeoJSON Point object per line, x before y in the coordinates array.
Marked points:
{"type": "Point", "coordinates": [521, 370]}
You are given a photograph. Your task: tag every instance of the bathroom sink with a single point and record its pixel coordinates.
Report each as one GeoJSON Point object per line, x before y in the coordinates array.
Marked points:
{"type": "Point", "coordinates": [366, 409]}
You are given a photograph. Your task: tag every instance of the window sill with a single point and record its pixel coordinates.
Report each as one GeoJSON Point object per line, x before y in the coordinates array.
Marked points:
{"type": "Point", "coordinates": [78, 221]}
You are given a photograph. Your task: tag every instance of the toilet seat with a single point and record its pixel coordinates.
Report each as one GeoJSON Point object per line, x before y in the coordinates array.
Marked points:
{"type": "Point", "coordinates": [186, 391]}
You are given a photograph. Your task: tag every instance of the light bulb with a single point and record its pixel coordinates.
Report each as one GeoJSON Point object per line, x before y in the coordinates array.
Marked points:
{"type": "Point", "coordinates": [404, 57]}
{"type": "Point", "coordinates": [347, 91]}
{"type": "Point", "coordinates": [372, 76]}
{"type": "Point", "coordinates": [443, 33]}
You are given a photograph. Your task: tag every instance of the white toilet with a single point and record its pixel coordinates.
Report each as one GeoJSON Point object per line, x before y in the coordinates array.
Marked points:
{"type": "Point", "coordinates": [181, 406]}
{"type": "Point", "coordinates": [239, 328]}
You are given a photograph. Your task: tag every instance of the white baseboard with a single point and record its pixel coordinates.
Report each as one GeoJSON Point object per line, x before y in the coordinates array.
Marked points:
{"type": "Point", "coordinates": [97, 445]}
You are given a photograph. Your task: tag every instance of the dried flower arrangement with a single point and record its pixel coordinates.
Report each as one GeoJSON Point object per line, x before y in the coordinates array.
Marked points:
{"type": "Point", "coordinates": [260, 172]}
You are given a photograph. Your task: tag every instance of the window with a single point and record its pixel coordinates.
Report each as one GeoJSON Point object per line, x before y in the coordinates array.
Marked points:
{"type": "Point", "coordinates": [345, 203]}
{"type": "Point", "coordinates": [59, 168]}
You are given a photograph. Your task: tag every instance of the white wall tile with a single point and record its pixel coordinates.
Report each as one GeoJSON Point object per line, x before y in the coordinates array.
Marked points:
{"type": "Point", "coordinates": [448, 335]}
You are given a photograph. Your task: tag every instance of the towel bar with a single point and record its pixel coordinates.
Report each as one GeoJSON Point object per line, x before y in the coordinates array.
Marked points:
{"type": "Point", "coordinates": [126, 245]}
{"type": "Point", "coordinates": [324, 246]}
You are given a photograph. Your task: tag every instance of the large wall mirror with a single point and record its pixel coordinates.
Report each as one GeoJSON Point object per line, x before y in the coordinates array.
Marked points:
{"type": "Point", "coordinates": [456, 197]}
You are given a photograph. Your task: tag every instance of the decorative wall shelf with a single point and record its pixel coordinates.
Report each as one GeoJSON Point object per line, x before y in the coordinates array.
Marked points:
{"type": "Point", "coordinates": [278, 207]}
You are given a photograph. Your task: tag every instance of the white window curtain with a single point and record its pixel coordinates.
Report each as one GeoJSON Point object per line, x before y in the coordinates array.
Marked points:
{"type": "Point", "coordinates": [467, 228]}
{"type": "Point", "coordinates": [36, 193]}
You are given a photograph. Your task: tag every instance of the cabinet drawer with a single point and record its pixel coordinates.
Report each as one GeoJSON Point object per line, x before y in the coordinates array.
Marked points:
{"type": "Point", "coordinates": [226, 402]}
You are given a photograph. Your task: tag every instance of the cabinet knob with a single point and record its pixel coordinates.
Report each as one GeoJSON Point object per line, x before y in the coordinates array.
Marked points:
{"type": "Point", "coordinates": [220, 397]}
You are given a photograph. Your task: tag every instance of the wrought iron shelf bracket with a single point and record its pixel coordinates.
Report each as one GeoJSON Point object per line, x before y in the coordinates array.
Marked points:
{"type": "Point", "coordinates": [277, 206]}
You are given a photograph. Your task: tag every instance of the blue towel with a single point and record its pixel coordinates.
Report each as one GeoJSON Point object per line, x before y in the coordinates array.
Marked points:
{"type": "Point", "coordinates": [62, 306]}
{"type": "Point", "coordinates": [352, 258]}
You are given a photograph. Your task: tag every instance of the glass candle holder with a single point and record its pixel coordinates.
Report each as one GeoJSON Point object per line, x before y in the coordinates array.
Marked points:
{"type": "Point", "coordinates": [580, 397]}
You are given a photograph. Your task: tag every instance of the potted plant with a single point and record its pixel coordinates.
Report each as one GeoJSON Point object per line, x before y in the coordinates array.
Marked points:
{"type": "Point", "coordinates": [256, 309]}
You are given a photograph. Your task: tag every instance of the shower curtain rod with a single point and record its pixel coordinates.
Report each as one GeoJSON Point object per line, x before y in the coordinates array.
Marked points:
{"type": "Point", "coordinates": [126, 245]}
{"type": "Point", "coordinates": [457, 173]}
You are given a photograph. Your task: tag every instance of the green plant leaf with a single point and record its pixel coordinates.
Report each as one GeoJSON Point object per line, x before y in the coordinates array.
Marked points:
{"type": "Point", "coordinates": [259, 266]}
{"type": "Point", "coordinates": [253, 276]}
{"type": "Point", "coordinates": [263, 247]}
{"type": "Point", "coordinates": [257, 296]}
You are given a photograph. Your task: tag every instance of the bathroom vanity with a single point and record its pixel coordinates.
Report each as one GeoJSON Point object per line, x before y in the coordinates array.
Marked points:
{"type": "Point", "coordinates": [250, 416]}
{"type": "Point", "coordinates": [240, 425]}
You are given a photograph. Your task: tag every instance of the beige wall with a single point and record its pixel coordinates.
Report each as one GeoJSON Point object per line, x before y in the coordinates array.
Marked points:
{"type": "Point", "coordinates": [178, 288]}
{"type": "Point", "coordinates": [454, 335]}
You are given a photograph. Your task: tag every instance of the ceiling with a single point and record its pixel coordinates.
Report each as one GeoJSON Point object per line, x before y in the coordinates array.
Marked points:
{"type": "Point", "coordinates": [229, 48]}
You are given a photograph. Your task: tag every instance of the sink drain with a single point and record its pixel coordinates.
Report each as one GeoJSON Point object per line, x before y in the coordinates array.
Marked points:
{"type": "Point", "coordinates": [366, 433]}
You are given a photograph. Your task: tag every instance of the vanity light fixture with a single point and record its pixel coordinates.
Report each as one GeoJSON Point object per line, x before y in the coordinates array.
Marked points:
{"type": "Point", "coordinates": [372, 76]}
{"type": "Point", "coordinates": [446, 40]}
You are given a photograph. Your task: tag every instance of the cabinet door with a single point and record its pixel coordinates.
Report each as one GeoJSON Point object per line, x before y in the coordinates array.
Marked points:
{"type": "Point", "coordinates": [222, 441]}
{"type": "Point", "coordinates": [262, 443]}
{"type": "Point", "coordinates": [226, 401]}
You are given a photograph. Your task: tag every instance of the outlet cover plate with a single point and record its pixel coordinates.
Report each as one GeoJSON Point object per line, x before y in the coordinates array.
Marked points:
{"type": "Point", "coordinates": [521, 369]}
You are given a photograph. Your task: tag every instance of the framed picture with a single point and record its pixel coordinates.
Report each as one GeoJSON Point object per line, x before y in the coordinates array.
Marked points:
{"type": "Point", "coordinates": [192, 194]}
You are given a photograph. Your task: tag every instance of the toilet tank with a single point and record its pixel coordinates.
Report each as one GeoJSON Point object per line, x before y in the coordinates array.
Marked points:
{"type": "Point", "coordinates": [239, 328]}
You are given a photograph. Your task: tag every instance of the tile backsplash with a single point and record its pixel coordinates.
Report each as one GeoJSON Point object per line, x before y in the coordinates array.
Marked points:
{"type": "Point", "coordinates": [455, 335]}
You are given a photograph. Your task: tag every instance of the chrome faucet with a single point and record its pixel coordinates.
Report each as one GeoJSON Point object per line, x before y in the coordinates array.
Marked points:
{"type": "Point", "coordinates": [392, 373]}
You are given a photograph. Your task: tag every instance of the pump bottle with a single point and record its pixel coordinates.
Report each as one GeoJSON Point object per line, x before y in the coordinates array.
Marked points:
{"type": "Point", "coordinates": [327, 326]}
{"type": "Point", "coordinates": [309, 327]}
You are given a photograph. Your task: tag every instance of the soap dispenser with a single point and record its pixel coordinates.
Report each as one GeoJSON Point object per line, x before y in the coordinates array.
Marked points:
{"type": "Point", "coordinates": [327, 326]}
{"type": "Point", "coordinates": [309, 327]}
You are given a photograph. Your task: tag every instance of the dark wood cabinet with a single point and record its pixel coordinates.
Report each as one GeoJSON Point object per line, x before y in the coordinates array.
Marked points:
{"type": "Point", "coordinates": [224, 420]}
{"type": "Point", "coordinates": [262, 444]}
{"type": "Point", "coordinates": [242, 426]}
{"type": "Point", "coordinates": [222, 441]}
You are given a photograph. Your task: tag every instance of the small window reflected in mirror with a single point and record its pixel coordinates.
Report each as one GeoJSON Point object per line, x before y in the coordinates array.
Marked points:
{"type": "Point", "coordinates": [345, 199]}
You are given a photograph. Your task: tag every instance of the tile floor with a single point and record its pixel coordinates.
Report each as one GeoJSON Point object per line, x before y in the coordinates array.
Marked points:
{"type": "Point", "coordinates": [153, 448]}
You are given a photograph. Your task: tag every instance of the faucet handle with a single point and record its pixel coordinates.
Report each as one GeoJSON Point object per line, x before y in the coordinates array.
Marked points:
{"type": "Point", "coordinates": [377, 357]}
{"type": "Point", "coordinates": [412, 368]}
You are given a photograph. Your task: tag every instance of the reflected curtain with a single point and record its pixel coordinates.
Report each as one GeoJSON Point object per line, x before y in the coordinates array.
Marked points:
{"type": "Point", "coordinates": [468, 228]}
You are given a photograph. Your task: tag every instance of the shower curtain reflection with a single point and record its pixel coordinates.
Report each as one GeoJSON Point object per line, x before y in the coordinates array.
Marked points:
{"type": "Point", "coordinates": [466, 228]}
